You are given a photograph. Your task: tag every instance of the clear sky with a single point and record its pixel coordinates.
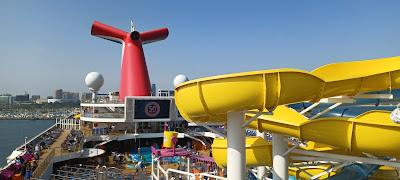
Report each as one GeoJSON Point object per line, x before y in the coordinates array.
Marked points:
{"type": "Point", "coordinates": [46, 45]}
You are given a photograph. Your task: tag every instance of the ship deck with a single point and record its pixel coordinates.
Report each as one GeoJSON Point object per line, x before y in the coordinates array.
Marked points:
{"type": "Point", "coordinates": [52, 151]}
{"type": "Point", "coordinates": [55, 150]}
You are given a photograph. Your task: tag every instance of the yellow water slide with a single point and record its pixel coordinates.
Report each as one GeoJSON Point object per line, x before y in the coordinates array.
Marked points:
{"type": "Point", "coordinates": [210, 99]}
{"type": "Point", "coordinates": [259, 153]}
{"type": "Point", "coordinates": [371, 132]}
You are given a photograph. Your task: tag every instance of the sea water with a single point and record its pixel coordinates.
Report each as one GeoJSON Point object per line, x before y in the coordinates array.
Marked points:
{"type": "Point", "coordinates": [13, 133]}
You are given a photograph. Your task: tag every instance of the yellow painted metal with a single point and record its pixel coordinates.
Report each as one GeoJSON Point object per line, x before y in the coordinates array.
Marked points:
{"type": "Point", "coordinates": [371, 132]}
{"type": "Point", "coordinates": [167, 138]}
{"type": "Point", "coordinates": [319, 147]}
{"type": "Point", "coordinates": [77, 116]}
{"type": "Point", "coordinates": [313, 170]}
{"type": "Point", "coordinates": [209, 99]}
{"type": "Point", "coordinates": [283, 121]}
{"type": "Point", "coordinates": [386, 173]}
{"type": "Point", "coordinates": [258, 152]}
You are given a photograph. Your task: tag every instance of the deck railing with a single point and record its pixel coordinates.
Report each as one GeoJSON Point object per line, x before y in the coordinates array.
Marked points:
{"type": "Point", "coordinates": [42, 166]}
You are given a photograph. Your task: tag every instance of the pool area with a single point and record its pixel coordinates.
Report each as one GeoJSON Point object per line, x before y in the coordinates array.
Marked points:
{"type": "Point", "coordinates": [145, 152]}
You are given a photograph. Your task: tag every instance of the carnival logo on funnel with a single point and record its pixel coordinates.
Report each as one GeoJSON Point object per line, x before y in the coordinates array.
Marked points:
{"type": "Point", "coordinates": [152, 109]}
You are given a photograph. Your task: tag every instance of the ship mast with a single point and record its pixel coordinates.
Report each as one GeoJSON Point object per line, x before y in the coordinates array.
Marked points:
{"type": "Point", "coordinates": [132, 28]}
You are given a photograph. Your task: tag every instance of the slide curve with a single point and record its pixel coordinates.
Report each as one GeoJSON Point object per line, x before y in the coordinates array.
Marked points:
{"type": "Point", "coordinates": [372, 132]}
{"type": "Point", "coordinates": [209, 99]}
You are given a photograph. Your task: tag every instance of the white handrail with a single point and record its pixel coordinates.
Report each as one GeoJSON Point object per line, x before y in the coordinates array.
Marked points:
{"type": "Point", "coordinates": [180, 172]}
{"type": "Point", "coordinates": [159, 167]}
{"type": "Point", "coordinates": [211, 176]}
{"type": "Point", "coordinates": [27, 142]}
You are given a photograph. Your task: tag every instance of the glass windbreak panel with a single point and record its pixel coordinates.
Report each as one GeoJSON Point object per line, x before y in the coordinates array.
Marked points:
{"type": "Point", "coordinates": [172, 93]}
{"type": "Point", "coordinates": [150, 127]}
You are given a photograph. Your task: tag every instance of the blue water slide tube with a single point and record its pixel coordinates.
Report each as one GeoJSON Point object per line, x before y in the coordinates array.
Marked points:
{"type": "Point", "coordinates": [353, 171]}
{"type": "Point", "coordinates": [356, 172]}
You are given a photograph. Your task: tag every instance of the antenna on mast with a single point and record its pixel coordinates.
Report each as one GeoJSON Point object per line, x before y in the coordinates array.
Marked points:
{"type": "Point", "coordinates": [132, 28]}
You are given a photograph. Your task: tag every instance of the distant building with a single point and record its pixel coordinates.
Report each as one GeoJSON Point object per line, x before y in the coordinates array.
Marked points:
{"type": "Point", "coordinates": [58, 94]}
{"type": "Point", "coordinates": [63, 97]}
{"type": "Point", "coordinates": [70, 95]}
{"type": "Point", "coordinates": [6, 99]}
{"type": "Point", "coordinates": [35, 97]}
{"type": "Point", "coordinates": [86, 96]}
{"type": "Point", "coordinates": [22, 98]}
{"type": "Point", "coordinates": [153, 90]}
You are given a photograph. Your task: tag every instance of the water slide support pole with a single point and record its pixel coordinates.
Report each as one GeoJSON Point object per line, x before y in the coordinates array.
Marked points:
{"type": "Point", "coordinates": [261, 170]}
{"type": "Point", "coordinates": [326, 110]}
{"type": "Point", "coordinates": [280, 162]}
{"type": "Point", "coordinates": [310, 107]}
{"type": "Point", "coordinates": [152, 166]}
{"type": "Point", "coordinates": [236, 152]}
{"type": "Point", "coordinates": [188, 166]}
{"type": "Point", "coordinates": [158, 169]}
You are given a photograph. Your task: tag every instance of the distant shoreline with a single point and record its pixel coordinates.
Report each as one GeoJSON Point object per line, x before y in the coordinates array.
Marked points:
{"type": "Point", "coordinates": [1, 118]}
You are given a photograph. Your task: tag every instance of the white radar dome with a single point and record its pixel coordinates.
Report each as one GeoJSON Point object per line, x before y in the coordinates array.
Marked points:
{"type": "Point", "coordinates": [180, 79]}
{"type": "Point", "coordinates": [94, 81]}
{"type": "Point", "coordinates": [395, 115]}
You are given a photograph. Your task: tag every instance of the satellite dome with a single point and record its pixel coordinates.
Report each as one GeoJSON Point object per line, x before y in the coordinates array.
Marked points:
{"type": "Point", "coordinates": [94, 81]}
{"type": "Point", "coordinates": [395, 115]}
{"type": "Point", "coordinates": [180, 79]}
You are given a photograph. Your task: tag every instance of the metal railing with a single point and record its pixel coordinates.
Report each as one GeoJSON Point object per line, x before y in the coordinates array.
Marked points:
{"type": "Point", "coordinates": [103, 100]}
{"type": "Point", "coordinates": [68, 123]}
{"type": "Point", "coordinates": [43, 165]}
{"type": "Point", "coordinates": [56, 151]}
{"type": "Point", "coordinates": [40, 134]}
{"type": "Point", "coordinates": [103, 115]}
{"type": "Point", "coordinates": [88, 172]}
